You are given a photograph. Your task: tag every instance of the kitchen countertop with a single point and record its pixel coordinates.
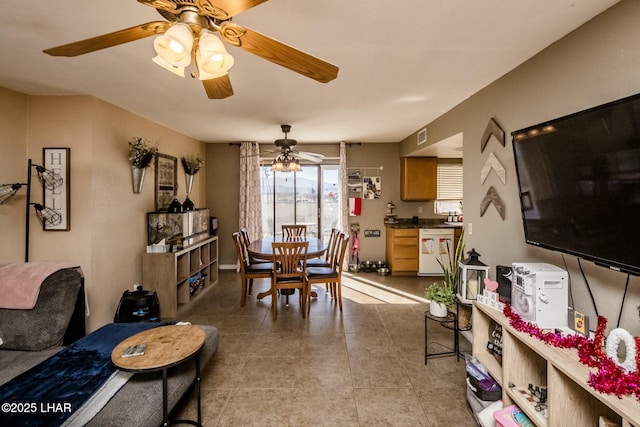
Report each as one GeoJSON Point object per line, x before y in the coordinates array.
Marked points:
{"type": "Point", "coordinates": [423, 223]}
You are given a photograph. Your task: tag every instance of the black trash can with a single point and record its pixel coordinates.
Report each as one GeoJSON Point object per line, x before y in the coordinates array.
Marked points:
{"type": "Point", "coordinates": [138, 306]}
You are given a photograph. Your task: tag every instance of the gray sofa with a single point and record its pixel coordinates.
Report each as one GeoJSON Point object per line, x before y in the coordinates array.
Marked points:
{"type": "Point", "coordinates": [29, 337]}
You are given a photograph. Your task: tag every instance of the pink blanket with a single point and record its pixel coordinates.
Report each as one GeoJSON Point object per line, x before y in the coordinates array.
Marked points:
{"type": "Point", "coordinates": [20, 282]}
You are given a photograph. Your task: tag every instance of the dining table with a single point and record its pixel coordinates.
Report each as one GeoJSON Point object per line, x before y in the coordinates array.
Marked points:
{"type": "Point", "coordinates": [261, 249]}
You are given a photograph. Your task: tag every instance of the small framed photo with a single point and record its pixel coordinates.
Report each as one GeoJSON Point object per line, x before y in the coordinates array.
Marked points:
{"type": "Point", "coordinates": [58, 199]}
{"type": "Point", "coordinates": [166, 180]}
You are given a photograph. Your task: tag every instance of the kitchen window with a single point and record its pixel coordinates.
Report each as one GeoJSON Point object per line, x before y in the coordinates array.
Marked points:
{"type": "Point", "coordinates": [449, 188]}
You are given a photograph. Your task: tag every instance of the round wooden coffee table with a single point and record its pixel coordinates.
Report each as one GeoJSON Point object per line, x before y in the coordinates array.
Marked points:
{"type": "Point", "coordinates": [166, 346]}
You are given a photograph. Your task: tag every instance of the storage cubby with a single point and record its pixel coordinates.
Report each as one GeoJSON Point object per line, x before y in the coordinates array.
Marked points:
{"type": "Point", "coordinates": [168, 273]}
{"type": "Point", "coordinates": [527, 360]}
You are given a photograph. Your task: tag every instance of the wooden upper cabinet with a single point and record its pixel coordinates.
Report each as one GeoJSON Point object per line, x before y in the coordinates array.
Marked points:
{"type": "Point", "coordinates": [418, 177]}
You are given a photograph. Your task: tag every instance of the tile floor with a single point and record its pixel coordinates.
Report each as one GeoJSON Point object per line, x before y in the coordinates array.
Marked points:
{"type": "Point", "coordinates": [362, 367]}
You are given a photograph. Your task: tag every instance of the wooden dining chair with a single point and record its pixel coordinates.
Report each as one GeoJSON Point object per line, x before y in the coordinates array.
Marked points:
{"type": "Point", "coordinates": [291, 231]}
{"type": "Point", "coordinates": [291, 261]}
{"type": "Point", "coordinates": [330, 275]}
{"type": "Point", "coordinates": [248, 270]}
{"type": "Point", "coordinates": [325, 261]}
{"type": "Point", "coordinates": [246, 240]}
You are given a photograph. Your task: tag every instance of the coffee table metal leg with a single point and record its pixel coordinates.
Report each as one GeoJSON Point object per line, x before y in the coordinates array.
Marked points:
{"type": "Point", "coordinates": [198, 389]}
{"type": "Point", "coordinates": [165, 415]}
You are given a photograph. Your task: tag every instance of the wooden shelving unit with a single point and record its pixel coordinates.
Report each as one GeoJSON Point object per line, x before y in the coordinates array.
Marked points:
{"type": "Point", "coordinates": [168, 274]}
{"type": "Point", "coordinates": [525, 359]}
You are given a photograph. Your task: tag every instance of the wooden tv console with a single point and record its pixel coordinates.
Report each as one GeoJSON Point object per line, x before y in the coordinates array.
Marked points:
{"type": "Point", "coordinates": [525, 359]}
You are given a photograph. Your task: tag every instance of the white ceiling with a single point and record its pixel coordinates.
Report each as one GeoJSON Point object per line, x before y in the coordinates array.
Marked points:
{"type": "Point", "coordinates": [402, 64]}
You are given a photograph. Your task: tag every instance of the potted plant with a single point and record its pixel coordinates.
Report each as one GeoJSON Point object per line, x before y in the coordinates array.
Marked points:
{"type": "Point", "coordinates": [140, 154]}
{"type": "Point", "coordinates": [451, 279]}
{"type": "Point", "coordinates": [441, 295]}
{"type": "Point", "coordinates": [191, 165]}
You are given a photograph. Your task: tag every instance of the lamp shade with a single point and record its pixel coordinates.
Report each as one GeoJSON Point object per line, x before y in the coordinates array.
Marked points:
{"type": "Point", "coordinates": [285, 164]}
{"type": "Point", "coordinates": [7, 191]}
{"type": "Point", "coordinates": [212, 58]}
{"type": "Point", "coordinates": [179, 71]}
{"type": "Point", "coordinates": [174, 46]}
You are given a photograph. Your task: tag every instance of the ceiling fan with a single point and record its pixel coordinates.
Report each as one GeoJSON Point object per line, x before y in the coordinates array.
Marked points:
{"type": "Point", "coordinates": [286, 148]}
{"type": "Point", "coordinates": [189, 32]}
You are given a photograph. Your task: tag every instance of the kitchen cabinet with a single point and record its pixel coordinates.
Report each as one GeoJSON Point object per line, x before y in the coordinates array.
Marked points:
{"type": "Point", "coordinates": [402, 251]}
{"type": "Point", "coordinates": [418, 178]}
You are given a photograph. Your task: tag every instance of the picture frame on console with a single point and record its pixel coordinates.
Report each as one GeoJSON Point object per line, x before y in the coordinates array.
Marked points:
{"type": "Point", "coordinates": [57, 159]}
{"type": "Point", "coordinates": [166, 182]}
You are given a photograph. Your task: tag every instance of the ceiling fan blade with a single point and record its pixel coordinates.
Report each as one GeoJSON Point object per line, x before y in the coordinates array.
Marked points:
{"type": "Point", "coordinates": [109, 40]}
{"type": "Point", "coordinates": [165, 5]}
{"type": "Point", "coordinates": [312, 157]}
{"type": "Point", "coordinates": [218, 88]}
{"type": "Point", "coordinates": [278, 53]}
{"type": "Point", "coordinates": [225, 9]}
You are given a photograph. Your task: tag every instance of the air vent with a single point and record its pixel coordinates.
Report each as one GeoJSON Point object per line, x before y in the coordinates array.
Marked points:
{"type": "Point", "coordinates": [422, 136]}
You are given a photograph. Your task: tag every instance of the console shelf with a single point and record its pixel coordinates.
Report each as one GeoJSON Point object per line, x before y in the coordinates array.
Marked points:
{"type": "Point", "coordinates": [526, 360]}
{"type": "Point", "coordinates": [168, 273]}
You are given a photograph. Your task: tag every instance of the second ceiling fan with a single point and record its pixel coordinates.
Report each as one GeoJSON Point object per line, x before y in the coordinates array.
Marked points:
{"type": "Point", "coordinates": [192, 31]}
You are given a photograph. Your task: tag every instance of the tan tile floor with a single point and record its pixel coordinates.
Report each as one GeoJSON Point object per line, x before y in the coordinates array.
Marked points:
{"type": "Point", "coordinates": [362, 367]}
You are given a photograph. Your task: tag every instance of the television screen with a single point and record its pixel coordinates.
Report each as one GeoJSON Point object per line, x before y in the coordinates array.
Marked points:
{"type": "Point", "coordinates": [579, 183]}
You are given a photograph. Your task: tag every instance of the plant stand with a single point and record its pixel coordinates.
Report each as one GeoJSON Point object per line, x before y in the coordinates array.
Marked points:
{"type": "Point", "coordinates": [449, 318]}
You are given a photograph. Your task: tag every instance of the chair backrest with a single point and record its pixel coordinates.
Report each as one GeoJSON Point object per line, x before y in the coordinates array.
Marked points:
{"type": "Point", "coordinates": [241, 250]}
{"type": "Point", "coordinates": [291, 259]}
{"type": "Point", "coordinates": [338, 261]}
{"type": "Point", "coordinates": [290, 231]}
{"type": "Point", "coordinates": [331, 244]}
{"type": "Point", "coordinates": [244, 232]}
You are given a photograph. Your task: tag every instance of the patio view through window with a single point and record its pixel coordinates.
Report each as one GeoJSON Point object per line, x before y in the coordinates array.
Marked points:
{"type": "Point", "coordinates": [309, 197]}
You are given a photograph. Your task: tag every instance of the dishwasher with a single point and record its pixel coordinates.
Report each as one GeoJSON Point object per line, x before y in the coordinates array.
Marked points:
{"type": "Point", "coordinates": [435, 244]}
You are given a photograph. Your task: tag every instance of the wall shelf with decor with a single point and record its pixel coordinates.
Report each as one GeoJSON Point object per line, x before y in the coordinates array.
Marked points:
{"type": "Point", "coordinates": [172, 274]}
{"type": "Point", "coordinates": [527, 360]}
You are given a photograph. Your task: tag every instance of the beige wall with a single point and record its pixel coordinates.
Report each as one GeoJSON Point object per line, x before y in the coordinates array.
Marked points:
{"type": "Point", "coordinates": [597, 63]}
{"type": "Point", "coordinates": [108, 221]}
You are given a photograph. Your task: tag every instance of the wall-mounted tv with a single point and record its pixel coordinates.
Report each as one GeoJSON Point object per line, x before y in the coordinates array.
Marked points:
{"type": "Point", "coordinates": [579, 183]}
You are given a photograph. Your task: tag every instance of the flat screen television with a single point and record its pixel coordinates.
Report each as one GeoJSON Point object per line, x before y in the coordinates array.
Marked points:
{"type": "Point", "coordinates": [579, 184]}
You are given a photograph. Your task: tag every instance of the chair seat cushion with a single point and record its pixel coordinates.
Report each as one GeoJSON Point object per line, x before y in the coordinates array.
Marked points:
{"type": "Point", "coordinates": [317, 262]}
{"type": "Point", "coordinates": [260, 267]}
{"type": "Point", "coordinates": [321, 272]}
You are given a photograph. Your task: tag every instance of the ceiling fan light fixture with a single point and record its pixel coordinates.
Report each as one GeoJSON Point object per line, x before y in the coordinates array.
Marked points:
{"type": "Point", "coordinates": [212, 57]}
{"type": "Point", "coordinates": [179, 71]}
{"type": "Point", "coordinates": [285, 163]}
{"type": "Point", "coordinates": [174, 46]}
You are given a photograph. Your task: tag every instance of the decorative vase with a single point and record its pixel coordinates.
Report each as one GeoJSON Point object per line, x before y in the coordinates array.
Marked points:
{"type": "Point", "coordinates": [175, 206]}
{"type": "Point", "coordinates": [437, 309]}
{"type": "Point", "coordinates": [188, 178]}
{"type": "Point", "coordinates": [138, 178]}
{"type": "Point", "coordinates": [188, 205]}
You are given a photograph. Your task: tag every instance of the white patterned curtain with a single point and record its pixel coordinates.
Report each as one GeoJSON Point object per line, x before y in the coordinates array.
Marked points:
{"type": "Point", "coordinates": [250, 204]}
{"type": "Point", "coordinates": [343, 195]}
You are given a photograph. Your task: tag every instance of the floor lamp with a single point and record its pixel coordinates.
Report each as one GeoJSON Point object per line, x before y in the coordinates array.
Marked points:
{"type": "Point", "coordinates": [46, 216]}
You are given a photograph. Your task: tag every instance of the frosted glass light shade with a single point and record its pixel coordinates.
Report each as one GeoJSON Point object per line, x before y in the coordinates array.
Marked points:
{"type": "Point", "coordinates": [212, 57]}
{"type": "Point", "coordinates": [174, 46]}
{"type": "Point", "coordinates": [179, 71]}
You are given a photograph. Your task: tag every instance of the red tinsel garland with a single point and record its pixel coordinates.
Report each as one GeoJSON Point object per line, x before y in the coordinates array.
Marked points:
{"type": "Point", "coordinates": [610, 378]}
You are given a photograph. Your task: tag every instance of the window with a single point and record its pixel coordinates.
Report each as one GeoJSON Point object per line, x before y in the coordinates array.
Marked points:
{"type": "Point", "coordinates": [449, 188]}
{"type": "Point", "coordinates": [309, 197]}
